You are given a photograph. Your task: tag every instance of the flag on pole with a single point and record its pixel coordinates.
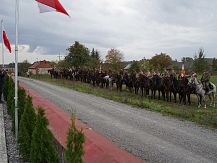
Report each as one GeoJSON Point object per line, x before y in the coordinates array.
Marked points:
{"type": "Point", "coordinates": [51, 5]}
{"type": "Point", "coordinates": [6, 41]}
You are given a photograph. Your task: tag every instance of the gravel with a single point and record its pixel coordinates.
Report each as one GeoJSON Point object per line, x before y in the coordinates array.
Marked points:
{"type": "Point", "coordinates": [12, 147]}
{"type": "Point", "coordinates": [148, 135]}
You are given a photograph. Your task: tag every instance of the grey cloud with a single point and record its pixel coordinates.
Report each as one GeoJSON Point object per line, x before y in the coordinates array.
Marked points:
{"type": "Point", "coordinates": [140, 28]}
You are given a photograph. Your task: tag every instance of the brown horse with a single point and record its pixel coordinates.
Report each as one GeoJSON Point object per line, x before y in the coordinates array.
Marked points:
{"type": "Point", "coordinates": [166, 87]}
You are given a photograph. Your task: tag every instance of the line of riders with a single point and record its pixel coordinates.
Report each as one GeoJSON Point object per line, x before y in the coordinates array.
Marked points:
{"type": "Point", "coordinates": [165, 83]}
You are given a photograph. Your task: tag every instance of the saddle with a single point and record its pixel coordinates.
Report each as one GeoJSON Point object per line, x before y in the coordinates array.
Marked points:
{"type": "Point", "coordinates": [208, 88]}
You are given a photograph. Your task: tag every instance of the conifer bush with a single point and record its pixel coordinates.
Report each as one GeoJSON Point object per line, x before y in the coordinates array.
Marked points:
{"type": "Point", "coordinates": [5, 87]}
{"type": "Point", "coordinates": [26, 127]}
{"type": "Point", "coordinates": [75, 140]}
{"type": "Point", "coordinates": [10, 97]}
{"type": "Point", "coordinates": [11, 102]}
{"type": "Point", "coordinates": [42, 145]}
{"type": "Point", "coordinates": [21, 102]}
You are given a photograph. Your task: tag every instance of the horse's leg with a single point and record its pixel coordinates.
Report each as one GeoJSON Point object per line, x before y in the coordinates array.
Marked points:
{"type": "Point", "coordinates": [174, 94]}
{"type": "Point", "coordinates": [184, 98]}
{"type": "Point", "coordinates": [189, 99]}
{"type": "Point", "coordinates": [204, 100]}
{"type": "Point", "coordinates": [198, 101]}
{"type": "Point", "coordinates": [210, 99]}
{"type": "Point", "coordinates": [167, 96]}
{"type": "Point", "coordinates": [180, 98]}
{"type": "Point", "coordinates": [170, 96]}
{"type": "Point", "coordinates": [163, 94]}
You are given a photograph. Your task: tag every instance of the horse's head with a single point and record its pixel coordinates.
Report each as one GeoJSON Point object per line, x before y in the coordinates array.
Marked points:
{"type": "Point", "coordinates": [193, 81]}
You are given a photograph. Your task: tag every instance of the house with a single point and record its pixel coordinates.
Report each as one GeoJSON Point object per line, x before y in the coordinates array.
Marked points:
{"type": "Point", "coordinates": [40, 67]}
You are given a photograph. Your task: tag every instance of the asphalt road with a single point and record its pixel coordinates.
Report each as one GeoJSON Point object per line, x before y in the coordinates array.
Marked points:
{"type": "Point", "coordinates": [148, 135]}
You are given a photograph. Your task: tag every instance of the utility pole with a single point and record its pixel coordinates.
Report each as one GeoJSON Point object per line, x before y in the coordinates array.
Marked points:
{"type": "Point", "coordinates": [59, 56]}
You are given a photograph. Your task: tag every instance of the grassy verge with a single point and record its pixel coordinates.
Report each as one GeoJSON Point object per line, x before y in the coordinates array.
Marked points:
{"type": "Point", "coordinates": [207, 117]}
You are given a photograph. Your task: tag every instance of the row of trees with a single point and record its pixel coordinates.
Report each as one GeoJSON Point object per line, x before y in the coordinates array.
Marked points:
{"type": "Point", "coordinates": [81, 56]}
{"type": "Point", "coordinates": [35, 140]}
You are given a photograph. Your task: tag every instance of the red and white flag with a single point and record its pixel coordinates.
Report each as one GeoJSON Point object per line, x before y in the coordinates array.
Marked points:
{"type": "Point", "coordinates": [6, 41]}
{"type": "Point", "coordinates": [51, 5]}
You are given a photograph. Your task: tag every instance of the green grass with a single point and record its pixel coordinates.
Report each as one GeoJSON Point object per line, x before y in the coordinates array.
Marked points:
{"type": "Point", "coordinates": [206, 117]}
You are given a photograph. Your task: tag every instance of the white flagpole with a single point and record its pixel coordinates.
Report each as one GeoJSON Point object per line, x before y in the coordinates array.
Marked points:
{"type": "Point", "coordinates": [2, 43]}
{"type": "Point", "coordinates": [16, 67]}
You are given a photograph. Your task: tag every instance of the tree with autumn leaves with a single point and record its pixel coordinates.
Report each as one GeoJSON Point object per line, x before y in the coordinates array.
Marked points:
{"type": "Point", "coordinates": [114, 58]}
{"type": "Point", "coordinates": [160, 61]}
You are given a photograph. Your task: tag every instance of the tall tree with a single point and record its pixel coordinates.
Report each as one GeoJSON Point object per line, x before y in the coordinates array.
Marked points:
{"type": "Point", "coordinates": [94, 60]}
{"type": "Point", "coordinates": [23, 67]}
{"type": "Point", "coordinates": [214, 65]}
{"type": "Point", "coordinates": [146, 65]}
{"type": "Point", "coordinates": [200, 63]}
{"type": "Point", "coordinates": [187, 59]}
{"type": "Point", "coordinates": [135, 66]}
{"type": "Point", "coordinates": [114, 58]}
{"type": "Point", "coordinates": [78, 55]}
{"type": "Point", "coordinates": [160, 61]}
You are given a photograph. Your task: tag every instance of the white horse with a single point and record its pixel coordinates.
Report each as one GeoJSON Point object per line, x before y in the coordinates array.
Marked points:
{"type": "Point", "coordinates": [200, 92]}
{"type": "Point", "coordinates": [109, 79]}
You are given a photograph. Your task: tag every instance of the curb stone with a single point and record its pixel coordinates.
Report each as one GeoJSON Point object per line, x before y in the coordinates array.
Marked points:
{"type": "Point", "coordinates": [3, 149]}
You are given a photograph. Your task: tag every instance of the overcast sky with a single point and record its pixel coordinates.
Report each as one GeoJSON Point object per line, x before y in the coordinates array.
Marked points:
{"type": "Point", "coordinates": [139, 28]}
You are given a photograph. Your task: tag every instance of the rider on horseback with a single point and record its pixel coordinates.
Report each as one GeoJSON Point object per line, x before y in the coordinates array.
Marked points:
{"type": "Point", "coordinates": [173, 74]}
{"type": "Point", "coordinates": [165, 73]}
{"type": "Point", "coordinates": [193, 74]}
{"type": "Point", "coordinates": [205, 79]}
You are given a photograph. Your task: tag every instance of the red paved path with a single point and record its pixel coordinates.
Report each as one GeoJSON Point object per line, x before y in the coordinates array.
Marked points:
{"type": "Point", "coordinates": [97, 148]}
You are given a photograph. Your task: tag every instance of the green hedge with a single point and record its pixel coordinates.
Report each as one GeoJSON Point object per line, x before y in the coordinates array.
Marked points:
{"type": "Point", "coordinates": [28, 123]}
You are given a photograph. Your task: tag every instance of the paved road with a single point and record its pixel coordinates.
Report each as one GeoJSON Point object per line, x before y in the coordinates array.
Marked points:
{"type": "Point", "coordinates": [150, 136]}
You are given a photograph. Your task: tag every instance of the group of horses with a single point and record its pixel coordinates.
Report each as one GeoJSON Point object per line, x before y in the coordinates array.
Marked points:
{"type": "Point", "coordinates": [155, 86]}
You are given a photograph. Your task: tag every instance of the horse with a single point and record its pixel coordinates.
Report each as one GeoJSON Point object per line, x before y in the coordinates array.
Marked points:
{"type": "Point", "coordinates": [184, 90]}
{"type": "Point", "coordinates": [155, 85]}
{"type": "Point", "coordinates": [166, 86]}
{"type": "Point", "coordinates": [173, 87]}
{"type": "Point", "coordinates": [200, 92]}
{"type": "Point", "coordinates": [144, 85]}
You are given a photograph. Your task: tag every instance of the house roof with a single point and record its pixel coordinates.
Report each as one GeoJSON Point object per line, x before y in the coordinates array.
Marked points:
{"type": "Point", "coordinates": [128, 66]}
{"type": "Point", "coordinates": [40, 64]}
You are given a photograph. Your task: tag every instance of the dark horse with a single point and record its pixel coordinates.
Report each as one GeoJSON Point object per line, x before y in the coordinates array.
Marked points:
{"type": "Point", "coordinates": [174, 87]}
{"type": "Point", "coordinates": [166, 87]}
{"type": "Point", "coordinates": [144, 84]}
{"type": "Point", "coordinates": [185, 90]}
{"type": "Point", "coordinates": [155, 85]}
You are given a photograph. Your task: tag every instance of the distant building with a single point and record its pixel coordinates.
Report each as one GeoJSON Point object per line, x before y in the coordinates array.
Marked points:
{"type": "Point", "coordinates": [127, 65]}
{"type": "Point", "coordinates": [9, 68]}
{"type": "Point", "coordinates": [178, 65]}
{"type": "Point", "coordinates": [40, 67]}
